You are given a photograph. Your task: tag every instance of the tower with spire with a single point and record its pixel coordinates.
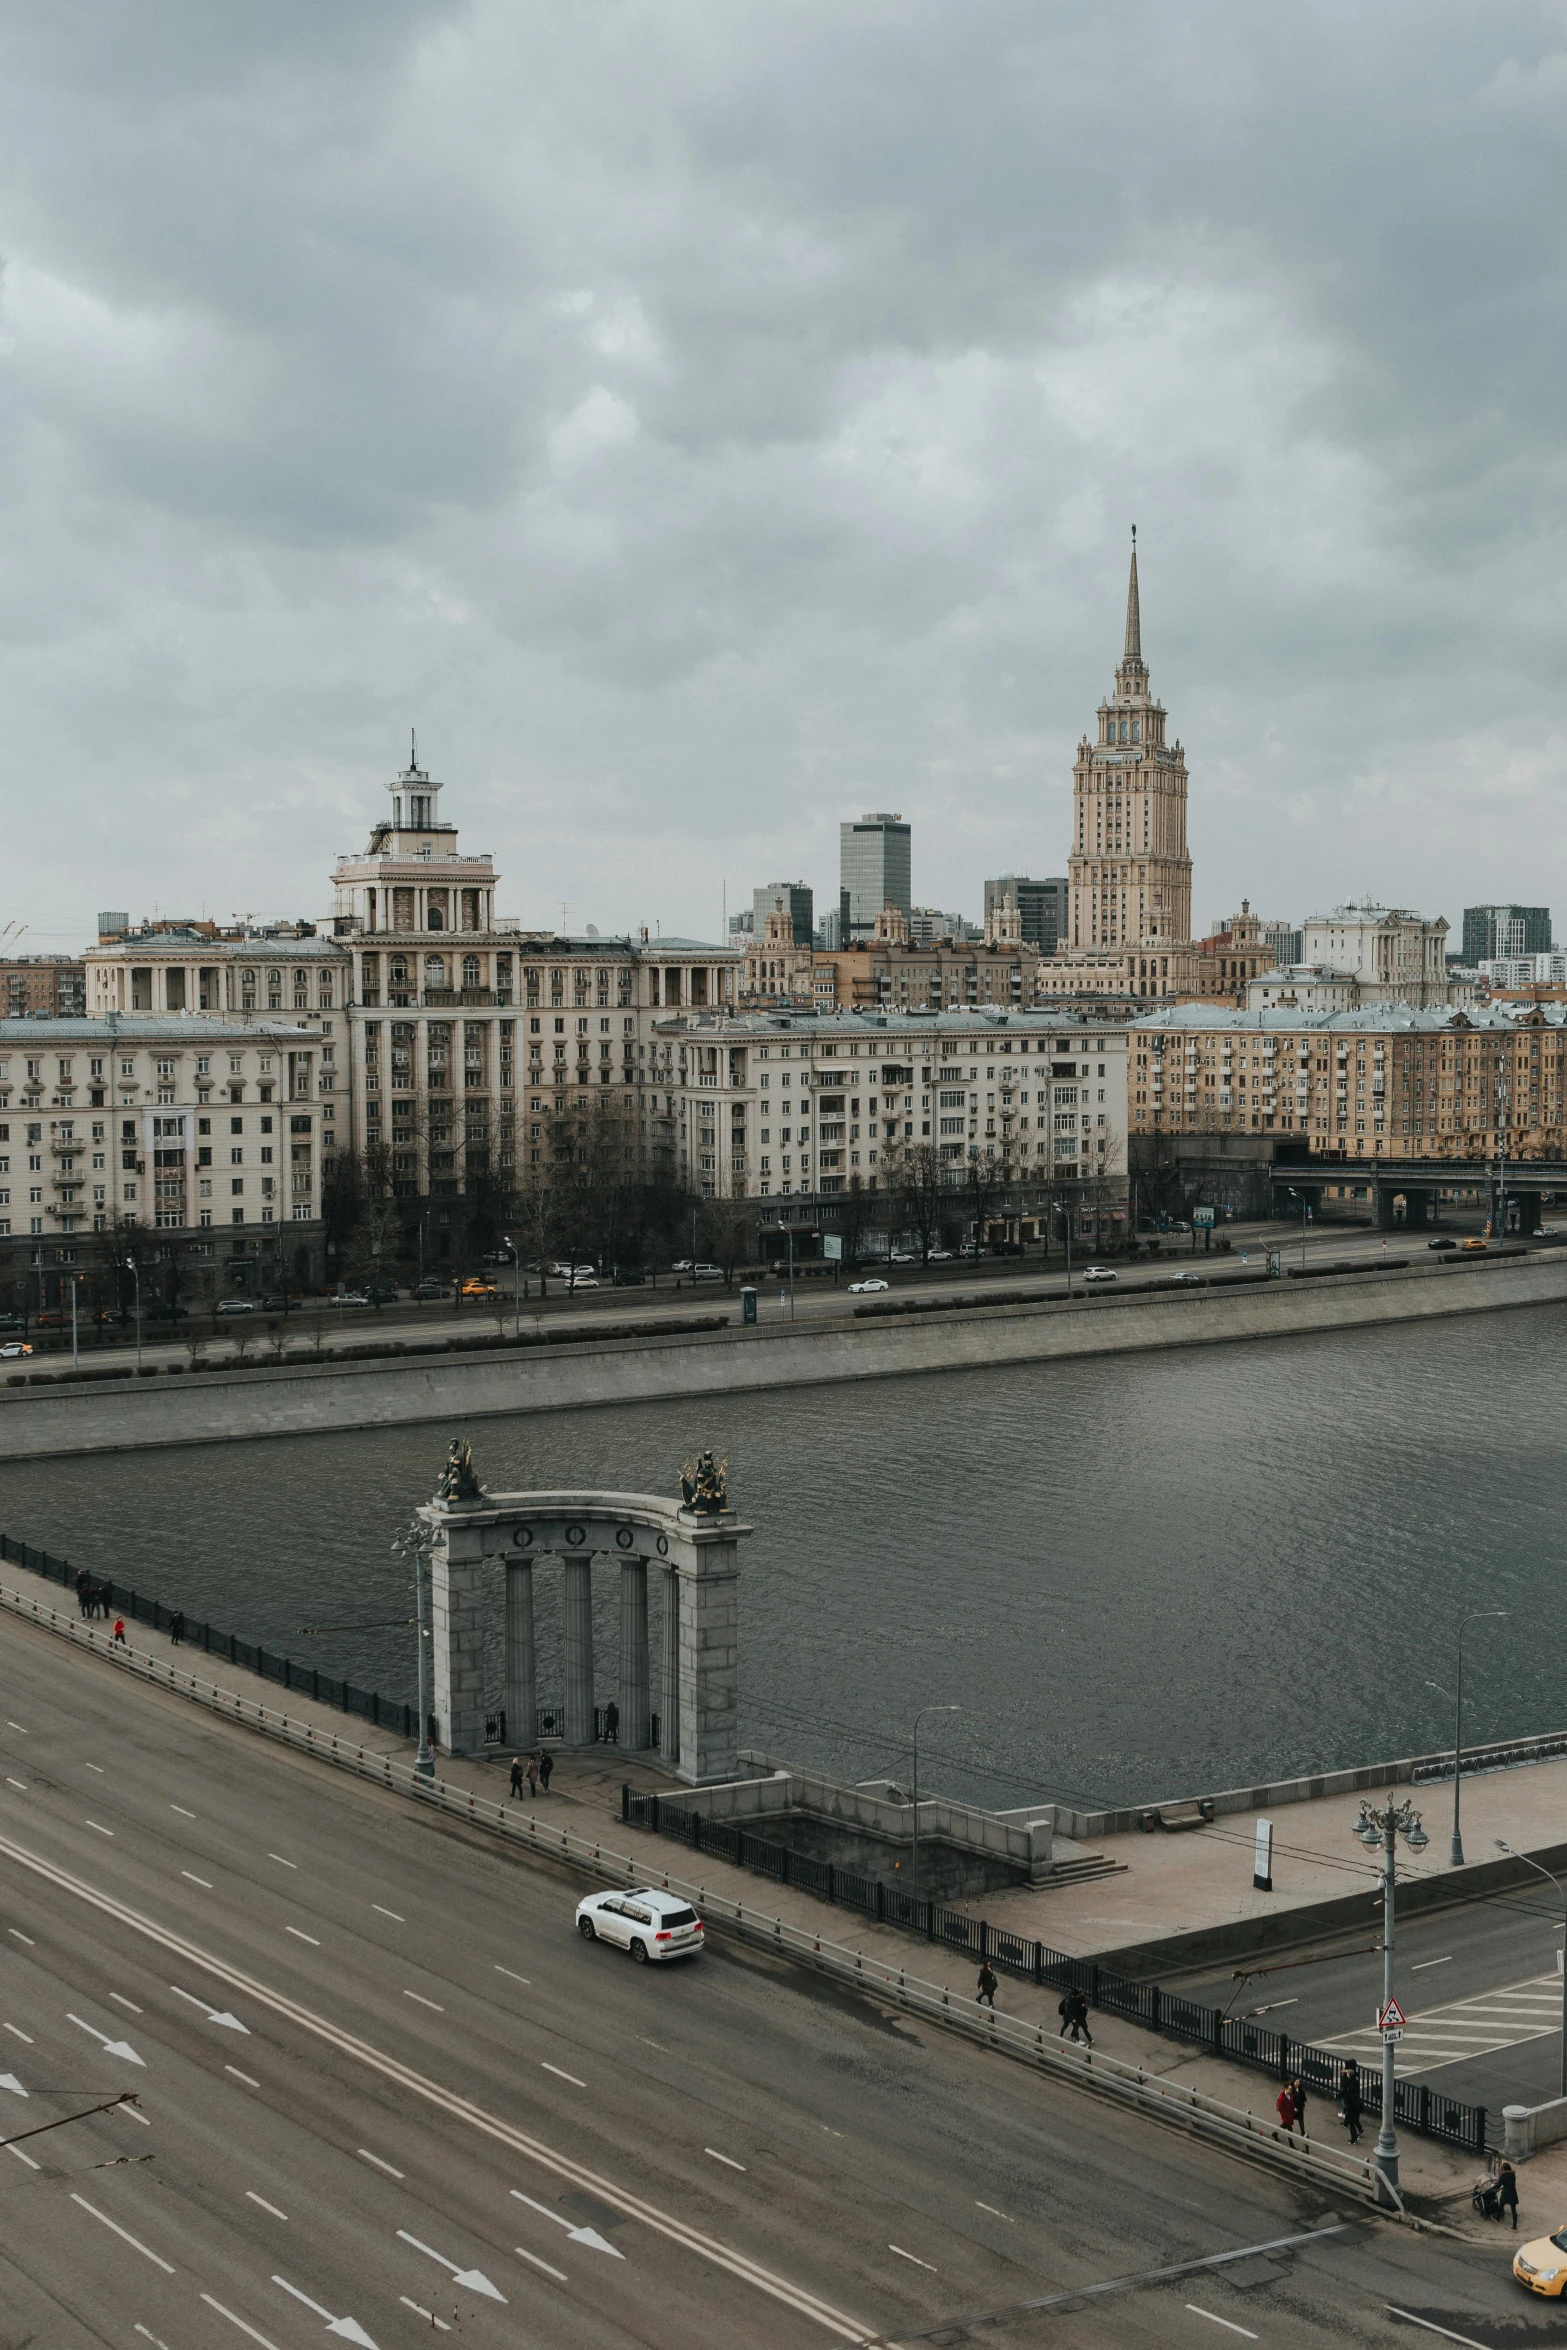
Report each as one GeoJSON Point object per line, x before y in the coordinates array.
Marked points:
{"type": "Point", "coordinates": [1130, 873]}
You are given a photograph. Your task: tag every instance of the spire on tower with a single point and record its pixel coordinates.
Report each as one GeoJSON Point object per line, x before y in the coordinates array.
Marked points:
{"type": "Point", "coordinates": [1134, 621]}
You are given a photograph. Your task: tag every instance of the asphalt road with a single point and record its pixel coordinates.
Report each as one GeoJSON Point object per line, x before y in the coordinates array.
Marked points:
{"type": "Point", "coordinates": [1479, 1986]}
{"type": "Point", "coordinates": [385, 2089]}
{"type": "Point", "coordinates": [815, 1299]}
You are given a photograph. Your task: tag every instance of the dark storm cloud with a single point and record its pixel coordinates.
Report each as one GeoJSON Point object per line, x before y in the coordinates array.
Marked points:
{"type": "Point", "coordinates": [708, 421]}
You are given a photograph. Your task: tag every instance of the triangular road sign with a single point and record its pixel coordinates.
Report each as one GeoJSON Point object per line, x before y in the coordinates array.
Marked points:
{"type": "Point", "coordinates": [1391, 2017]}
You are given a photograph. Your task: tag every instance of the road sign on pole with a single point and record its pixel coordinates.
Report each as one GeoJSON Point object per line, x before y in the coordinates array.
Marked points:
{"type": "Point", "coordinates": [1390, 2017]}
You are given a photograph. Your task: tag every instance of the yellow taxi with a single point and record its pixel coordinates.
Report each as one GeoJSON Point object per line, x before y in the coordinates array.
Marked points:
{"type": "Point", "coordinates": [1471, 1242]}
{"type": "Point", "coordinates": [476, 1288]}
{"type": "Point", "coordinates": [1542, 2265]}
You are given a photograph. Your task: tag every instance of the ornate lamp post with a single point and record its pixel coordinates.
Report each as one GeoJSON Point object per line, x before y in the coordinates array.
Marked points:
{"type": "Point", "coordinates": [1379, 1831]}
{"type": "Point", "coordinates": [416, 1543]}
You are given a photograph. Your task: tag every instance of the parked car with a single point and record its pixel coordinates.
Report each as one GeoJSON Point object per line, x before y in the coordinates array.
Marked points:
{"type": "Point", "coordinates": [902, 1256]}
{"type": "Point", "coordinates": [278, 1304]}
{"type": "Point", "coordinates": [51, 1318]}
{"type": "Point", "coordinates": [939, 1256]}
{"type": "Point", "coordinates": [1099, 1273]}
{"type": "Point", "coordinates": [472, 1287]}
{"type": "Point", "coordinates": [1444, 1242]}
{"type": "Point", "coordinates": [430, 1287]}
{"type": "Point", "coordinates": [584, 1281]}
{"type": "Point", "coordinates": [381, 1293]}
{"type": "Point", "coordinates": [624, 1277]}
{"type": "Point", "coordinates": [650, 1925]}
{"type": "Point", "coordinates": [349, 1297]}
{"type": "Point", "coordinates": [708, 1273]}
{"type": "Point", "coordinates": [12, 1322]}
{"type": "Point", "coordinates": [239, 1305]}
{"type": "Point", "coordinates": [864, 1288]}
{"type": "Point", "coordinates": [13, 1350]}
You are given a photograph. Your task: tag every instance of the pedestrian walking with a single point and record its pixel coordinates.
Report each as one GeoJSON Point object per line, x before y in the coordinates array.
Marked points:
{"type": "Point", "coordinates": [516, 1774]}
{"type": "Point", "coordinates": [1299, 2087]}
{"type": "Point", "coordinates": [533, 1776]}
{"type": "Point", "coordinates": [1349, 2100]}
{"type": "Point", "coordinates": [1285, 2103]}
{"type": "Point", "coordinates": [119, 1632]}
{"type": "Point", "coordinates": [1073, 2012]}
{"type": "Point", "coordinates": [1507, 2192]}
{"type": "Point", "coordinates": [612, 1724]}
{"type": "Point", "coordinates": [987, 1986]}
{"type": "Point", "coordinates": [177, 1626]}
{"type": "Point", "coordinates": [546, 1768]}
{"type": "Point", "coordinates": [83, 1587]}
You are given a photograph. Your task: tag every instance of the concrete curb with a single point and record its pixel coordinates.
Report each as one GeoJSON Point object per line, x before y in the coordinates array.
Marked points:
{"type": "Point", "coordinates": [1188, 2110]}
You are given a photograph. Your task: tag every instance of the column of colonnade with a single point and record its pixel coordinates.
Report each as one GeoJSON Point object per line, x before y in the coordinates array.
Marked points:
{"type": "Point", "coordinates": [635, 1678]}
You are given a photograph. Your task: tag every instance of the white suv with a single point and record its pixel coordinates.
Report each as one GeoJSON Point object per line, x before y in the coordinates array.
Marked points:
{"type": "Point", "coordinates": [649, 1925]}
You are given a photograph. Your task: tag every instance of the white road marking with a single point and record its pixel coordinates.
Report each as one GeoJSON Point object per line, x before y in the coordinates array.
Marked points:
{"type": "Point", "coordinates": [16, 1726]}
{"type": "Point", "coordinates": [281, 1862]}
{"type": "Point", "coordinates": [560, 2076]}
{"type": "Point", "coordinates": [252, 2197]}
{"type": "Point", "coordinates": [1446, 2333]}
{"type": "Point", "coordinates": [534, 2261]}
{"type": "Point", "coordinates": [647, 2043]}
{"type": "Point", "coordinates": [10, 2081]}
{"type": "Point", "coordinates": [435, 2093]}
{"type": "Point", "coordinates": [19, 1784]}
{"type": "Point", "coordinates": [1477, 2026]}
{"type": "Point", "coordinates": [506, 1970]}
{"type": "Point", "coordinates": [239, 2076]}
{"type": "Point", "coordinates": [299, 1937]}
{"type": "Point", "coordinates": [727, 2158]}
{"type": "Point", "coordinates": [214, 2015]}
{"type": "Point", "coordinates": [428, 2315]}
{"type": "Point", "coordinates": [20, 2034]}
{"type": "Point", "coordinates": [21, 1937]}
{"type": "Point", "coordinates": [98, 1767]}
{"type": "Point", "coordinates": [588, 2236]}
{"type": "Point", "coordinates": [135, 2242]}
{"type": "Point", "coordinates": [914, 2256]}
{"type": "Point", "coordinates": [180, 1808]}
{"type": "Point", "coordinates": [365, 2153]}
{"type": "Point", "coordinates": [204, 1882]}
{"type": "Point", "coordinates": [396, 1917]}
{"type": "Point", "coordinates": [27, 2158]}
{"type": "Point", "coordinates": [101, 1830]}
{"type": "Point", "coordinates": [1228, 2323]}
{"type": "Point", "coordinates": [132, 2115]}
{"type": "Point", "coordinates": [423, 2002]}
{"type": "Point", "coordinates": [994, 2213]}
{"type": "Point", "coordinates": [266, 2343]}
{"type": "Point", "coordinates": [347, 2328]}
{"type": "Point", "coordinates": [473, 2280]}
{"type": "Point", "coordinates": [110, 2047]}
{"type": "Point", "coordinates": [120, 2000]}
{"type": "Point", "coordinates": [152, 2337]}
{"type": "Point", "coordinates": [1425, 1962]}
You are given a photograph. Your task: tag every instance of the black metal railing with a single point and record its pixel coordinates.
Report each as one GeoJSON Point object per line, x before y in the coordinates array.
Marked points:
{"type": "Point", "coordinates": [1237, 2037]}
{"type": "Point", "coordinates": [117, 1599]}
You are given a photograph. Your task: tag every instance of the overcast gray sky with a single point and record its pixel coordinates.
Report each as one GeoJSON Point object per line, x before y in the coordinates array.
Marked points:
{"type": "Point", "coordinates": [706, 422]}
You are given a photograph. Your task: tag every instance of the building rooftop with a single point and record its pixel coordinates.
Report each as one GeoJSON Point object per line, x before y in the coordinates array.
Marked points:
{"type": "Point", "coordinates": [256, 946]}
{"type": "Point", "coordinates": [973, 1020]}
{"type": "Point", "coordinates": [1380, 1019]}
{"type": "Point", "coordinates": [121, 1028]}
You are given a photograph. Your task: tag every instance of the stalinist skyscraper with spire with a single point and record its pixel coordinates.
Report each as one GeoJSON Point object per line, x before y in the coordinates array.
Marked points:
{"type": "Point", "coordinates": [1130, 921]}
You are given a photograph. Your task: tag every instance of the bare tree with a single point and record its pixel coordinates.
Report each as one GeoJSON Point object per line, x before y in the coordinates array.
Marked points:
{"type": "Point", "coordinates": [920, 1176]}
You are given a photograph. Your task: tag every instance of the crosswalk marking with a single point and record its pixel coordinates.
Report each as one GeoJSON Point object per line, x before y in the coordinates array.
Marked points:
{"type": "Point", "coordinates": [1466, 2027]}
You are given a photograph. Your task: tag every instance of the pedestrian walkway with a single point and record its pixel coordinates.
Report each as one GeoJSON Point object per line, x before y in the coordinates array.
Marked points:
{"type": "Point", "coordinates": [1465, 2028]}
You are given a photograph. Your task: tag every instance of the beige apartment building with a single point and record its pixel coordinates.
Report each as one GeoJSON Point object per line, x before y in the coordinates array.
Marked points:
{"type": "Point", "coordinates": [1383, 1081]}
{"type": "Point", "coordinates": [41, 987]}
{"type": "Point", "coordinates": [207, 1136]}
{"type": "Point", "coordinates": [801, 1106]}
{"type": "Point", "coordinates": [189, 968]}
{"type": "Point", "coordinates": [1394, 956]}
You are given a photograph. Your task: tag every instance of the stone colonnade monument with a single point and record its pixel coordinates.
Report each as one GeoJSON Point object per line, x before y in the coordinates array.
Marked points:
{"type": "Point", "coordinates": [692, 1543]}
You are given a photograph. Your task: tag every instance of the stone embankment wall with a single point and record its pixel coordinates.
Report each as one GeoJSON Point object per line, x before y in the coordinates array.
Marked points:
{"type": "Point", "coordinates": [322, 1396]}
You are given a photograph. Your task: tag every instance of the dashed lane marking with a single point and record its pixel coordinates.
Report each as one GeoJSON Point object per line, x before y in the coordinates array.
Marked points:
{"type": "Point", "coordinates": [396, 1919]}
{"type": "Point", "coordinates": [534, 2261]}
{"type": "Point", "coordinates": [1228, 2323]}
{"type": "Point", "coordinates": [281, 1862]}
{"type": "Point", "coordinates": [560, 2076]}
{"type": "Point", "coordinates": [204, 1882]}
{"type": "Point", "coordinates": [252, 2197]}
{"type": "Point", "coordinates": [365, 2155]}
{"type": "Point", "coordinates": [21, 1937]}
{"type": "Point", "coordinates": [914, 2256]}
{"type": "Point", "coordinates": [266, 2342]}
{"type": "Point", "coordinates": [102, 1830]}
{"type": "Point", "coordinates": [1431, 2327]}
{"type": "Point", "coordinates": [180, 1808]}
{"type": "Point", "coordinates": [135, 2242]}
{"type": "Point", "coordinates": [506, 1970]}
{"type": "Point", "coordinates": [120, 2000]}
{"type": "Point", "coordinates": [726, 2158]}
{"type": "Point", "coordinates": [19, 1784]}
{"type": "Point", "coordinates": [427, 2315]}
{"type": "Point", "coordinates": [299, 1937]}
{"type": "Point", "coordinates": [423, 2002]}
{"type": "Point", "coordinates": [239, 2076]}
{"type": "Point", "coordinates": [20, 2034]}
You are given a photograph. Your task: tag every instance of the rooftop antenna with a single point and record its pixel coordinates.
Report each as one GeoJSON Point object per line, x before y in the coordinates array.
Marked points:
{"type": "Point", "coordinates": [565, 917]}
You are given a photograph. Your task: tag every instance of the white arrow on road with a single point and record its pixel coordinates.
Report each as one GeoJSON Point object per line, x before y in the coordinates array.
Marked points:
{"type": "Point", "coordinates": [214, 2015]}
{"type": "Point", "coordinates": [589, 2236]}
{"type": "Point", "coordinates": [474, 2278]}
{"type": "Point", "coordinates": [110, 2047]}
{"type": "Point", "coordinates": [347, 2329]}
{"type": "Point", "coordinates": [10, 2081]}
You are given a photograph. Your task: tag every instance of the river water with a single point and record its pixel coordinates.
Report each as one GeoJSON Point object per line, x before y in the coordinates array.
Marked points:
{"type": "Point", "coordinates": [1139, 1576]}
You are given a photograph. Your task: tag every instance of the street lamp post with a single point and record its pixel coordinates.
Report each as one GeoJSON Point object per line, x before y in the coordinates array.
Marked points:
{"type": "Point", "coordinates": [1379, 1831]}
{"type": "Point", "coordinates": [516, 1285]}
{"type": "Point", "coordinates": [1480, 1615]}
{"type": "Point", "coordinates": [130, 1267]}
{"type": "Point", "coordinates": [1305, 1214]}
{"type": "Point", "coordinates": [791, 1265]}
{"type": "Point", "coordinates": [1562, 1890]}
{"type": "Point", "coordinates": [919, 1717]}
{"type": "Point", "coordinates": [1065, 1214]}
{"type": "Point", "coordinates": [415, 1543]}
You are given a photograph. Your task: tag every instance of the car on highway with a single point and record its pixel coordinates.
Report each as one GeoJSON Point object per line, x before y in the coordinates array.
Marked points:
{"type": "Point", "coordinates": [350, 1297]}
{"type": "Point", "coordinates": [1186, 1278]}
{"type": "Point", "coordinates": [1545, 1232]}
{"type": "Point", "coordinates": [1472, 1243]}
{"type": "Point", "coordinates": [1541, 2264]}
{"type": "Point", "coordinates": [381, 1293]}
{"type": "Point", "coordinates": [699, 1272]}
{"type": "Point", "coordinates": [939, 1256]}
{"type": "Point", "coordinates": [584, 1281]}
{"type": "Point", "coordinates": [650, 1925]}
{"type": "Point", "coordinates": [1099, 1273]}
{"type": "Point", "coordinates": [430, 1287]}
{"type": "Point", "coordinates": [627, 1277]}
{"type": "Point", "coordinates": [1442, 1243]}
{"type": "Point", "coordinates": [13, 1350]}
{"type": "Point", "coordinates": [474, 1287]}
{"type": "Point", "coordinates": [903, 1256]}
{"type": "Point", "coordinates": [246, 1305]}
{"type": "Point", "coordinates": [864, 1288]}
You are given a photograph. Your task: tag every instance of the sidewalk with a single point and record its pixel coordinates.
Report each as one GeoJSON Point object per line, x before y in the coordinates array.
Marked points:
{"type": "Point", "coordinates": [585, 1798]}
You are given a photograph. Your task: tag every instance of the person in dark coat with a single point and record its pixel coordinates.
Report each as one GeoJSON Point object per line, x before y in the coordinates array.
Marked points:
{"type": "Point", "coordinates": [546, 1767]}
{"type": "Point", "coordinates": [986, 1995]}
{"type": "Point", "coordinates": [1073, 2012]}
{"type": "Point", "coordinates": [1299, 2088]}
{"type": "Point", "coordinates": [516, 1774]}
{"type": "Point", "coordinates": [177, 1626]}
{"type": "Point", "coordinates": [612, 1724]}
{"type": "Point", "coordinates": [1349, 2100]}
{"type": "Point", "coordinates": [1507, 2192]}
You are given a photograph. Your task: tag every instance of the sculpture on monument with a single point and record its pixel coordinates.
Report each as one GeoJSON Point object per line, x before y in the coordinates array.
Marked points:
{"type": "Point", "coordinates": [702, 1489]}
{"type": "Point", "coordinates": [459, 1479]}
